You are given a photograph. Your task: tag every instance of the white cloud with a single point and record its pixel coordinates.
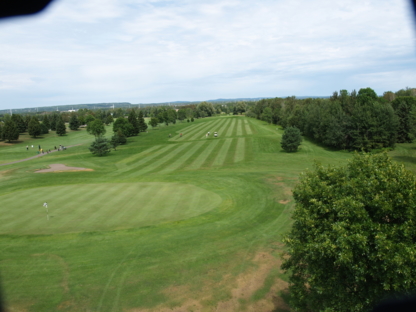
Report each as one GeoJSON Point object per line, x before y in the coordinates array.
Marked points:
{"type": "Point", "coordinates": [150, 51]}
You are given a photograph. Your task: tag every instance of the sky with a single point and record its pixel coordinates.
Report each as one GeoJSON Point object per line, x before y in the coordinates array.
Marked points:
{"type": "Point", "coordinates": [103, 51]}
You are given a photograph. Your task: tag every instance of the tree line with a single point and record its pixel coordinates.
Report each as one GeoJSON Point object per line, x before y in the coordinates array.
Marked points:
{"type": "Point", "coordinates": [347, 120]}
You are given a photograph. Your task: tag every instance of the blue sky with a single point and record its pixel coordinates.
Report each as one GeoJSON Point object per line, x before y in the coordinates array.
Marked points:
{"type": "Point", "coordinates": [92, 51]}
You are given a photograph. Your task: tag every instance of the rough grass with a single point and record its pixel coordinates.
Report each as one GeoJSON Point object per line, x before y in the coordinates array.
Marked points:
{"type": "Point", "coordinates": [168, 224]}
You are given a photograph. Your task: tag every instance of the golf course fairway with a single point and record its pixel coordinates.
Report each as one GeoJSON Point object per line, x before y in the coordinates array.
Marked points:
{"type": "Point", "coordinates": [163, 223]}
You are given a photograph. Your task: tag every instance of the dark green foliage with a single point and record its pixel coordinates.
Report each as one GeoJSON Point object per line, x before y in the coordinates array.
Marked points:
{"type": "Point", "coordinates": [192, 119]}
{"type": "Point", "coordinates": [60, 127]}
{"type": "Point", "coordinates": [19, 122]}
{"type": "Point", "coordinates": [154, 122]}
{"type": "Point", "coordinates": [142, 123]}
{"type": "Point", "coordinates": [81, 120]}
{"type": "Point", "coordinates": [125, 127]}
{"type": "Point", "coordinates": [118, 139]}
{"type": "Point", "coordinates": [88, 118]}
{"type": "Point", "coordinates": [46, 122]}
{"type": "Point", "coordinates": [54, 120]}
{"type": "Point", "coordinates": [205, 109]}
{"type": "Point", "coordinates": [109, 119]}
{"type": "Point", "coordinates": [291, 139]}
{"type": "Point", "coordinates": [182, 114]}
{"type": "Point", "coordinates": [10, 131]}
{"type": "Point", "coordinates": [96, 128]}
{"type": "Point", "coordinates": [352, 241]}
{"type": "Point", "coordinates": [74, 122]}
{"type": "Point", "coordinates": [405, 108]}
{"type": "Point", "coordinates": [100, 147]}
{"type": "Point", "coordinates": [373, 125]}
{"type": "Point", "coordinates": [34, 127]}
{"type": "Point", "coordinates": [132, 119]}
{"type": "Point", "coordinates": [44, 129]}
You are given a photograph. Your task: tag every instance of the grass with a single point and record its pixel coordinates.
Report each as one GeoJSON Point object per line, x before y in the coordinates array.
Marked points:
{"type": "Point", "coordinates": [156, 223]}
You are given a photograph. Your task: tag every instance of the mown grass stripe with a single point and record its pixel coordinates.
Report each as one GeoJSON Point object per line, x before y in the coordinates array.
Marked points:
{"type": "Point", "coordinates": [186, 131]}
{"type": "Point", "coordinates": [85, 208]}
{"type": "Point", "coordinates": [203, 155]}
{"type": "Point", "coordinates": [208, 128]}
{"type": "Point", "coordinates": [240, 150]}
{"type": "Point", "coordinates": [181, 160]}
{"type": "Point", "coordinates": [247, 127]}
{"type": "Point", "coordinates": [154, 165]}
{"type": "Point", "coordinates": [132, 208]}
{"type": "Point", "coordinates": [239, 127]}
{"type": "Point", "coordinates": [222, 154]}
{"type": "Point", "coordinates": [133, 158]}
{"type": "Point", "coordinates": [231, 128]}
{"type": "Point", "coordinates": [149, 158]}
{"type": "Point", "coordinates": [224, 126]}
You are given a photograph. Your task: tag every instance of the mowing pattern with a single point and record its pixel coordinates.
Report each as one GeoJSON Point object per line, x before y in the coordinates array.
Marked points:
{"type": "Point", "coordinates": [192, 151]}
{"type": "Point", "coordinates": [226, 127]}
{"type": "Point", "coordinates": [189, 156]}
{"type": "Point", "coordinates": [91, 207]}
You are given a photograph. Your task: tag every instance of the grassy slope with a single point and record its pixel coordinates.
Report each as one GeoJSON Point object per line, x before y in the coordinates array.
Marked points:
{"type": "Point", "coordinates": [117, 269]}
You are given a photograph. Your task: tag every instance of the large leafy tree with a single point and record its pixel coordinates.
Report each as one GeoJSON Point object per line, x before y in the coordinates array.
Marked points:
{"type": "Point", "coordinates": [291, 139]}
{"type": "Point", "coordinates": [353, 237]}
{"type": "Point", "coordinates": [125, 127]}
{"type": "Point", "coordinates": [34, 127]}
{"type": "Point", "coordinates": [96, 128]}
{"type": "Point", "coordinates": [10, 131]}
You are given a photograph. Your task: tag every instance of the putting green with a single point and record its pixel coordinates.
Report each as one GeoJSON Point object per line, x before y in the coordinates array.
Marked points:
{"type": "Point", "coordinates": [97, 207]}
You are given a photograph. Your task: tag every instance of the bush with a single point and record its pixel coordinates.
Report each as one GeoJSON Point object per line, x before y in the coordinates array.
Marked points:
{"type": "Point", "coordinates": [100, 147]}
{"type": "Point", "coordinates": [353, 237]}
{"type": "Point", "coordinates": [291, 139]}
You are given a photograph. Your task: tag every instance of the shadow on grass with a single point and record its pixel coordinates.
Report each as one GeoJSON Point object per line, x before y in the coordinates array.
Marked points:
{"type": "Point", "coordinates": [281, 301]}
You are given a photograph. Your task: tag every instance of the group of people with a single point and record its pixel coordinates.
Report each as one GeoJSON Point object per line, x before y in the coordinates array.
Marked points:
{"type": "Point", "coordinates": [42, 151]}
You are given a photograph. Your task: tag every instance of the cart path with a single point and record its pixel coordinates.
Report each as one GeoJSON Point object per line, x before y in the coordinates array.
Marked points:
{"type": "Point", "coordinates": [36, 156]}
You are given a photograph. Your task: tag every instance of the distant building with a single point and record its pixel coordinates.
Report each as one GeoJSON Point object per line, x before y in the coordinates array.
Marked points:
{"type": "Point", "coordinates": [72, 110]}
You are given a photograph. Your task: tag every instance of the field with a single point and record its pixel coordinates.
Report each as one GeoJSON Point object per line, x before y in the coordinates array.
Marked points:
{"type": "Point", "coordinates": [162, 224]}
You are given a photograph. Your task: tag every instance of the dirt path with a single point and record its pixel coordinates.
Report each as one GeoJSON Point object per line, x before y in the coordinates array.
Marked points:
{"type": "Point", "coordinates": [33, 157]}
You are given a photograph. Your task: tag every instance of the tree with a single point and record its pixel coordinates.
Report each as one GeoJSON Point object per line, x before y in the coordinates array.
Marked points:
{"type": "Point", "coordinates": [142, 122]}
{"type": "Point", "coordinates": [154, 122]}
{"type": "Point", "coordinates": [109, 119]}
{"type": "Point", "coordinates": [88, 118]}
{"type": "Point", "coordinates": [43, 129]}
{"type": "Point", "coordinates": [291, 139]}
{"type": "Point", "coordinates": [34, 127]}
{"type": "Point", "coordinates": [46, 122]}
{"type": "Point", "coordinates": [100, 146]}
{"type": "Point", "coordinates": [125, 127]}
{"type": "Point", "coordinates": [60, 127]}
{"type": "Point", "coordinates": [352, 241]}
{"type": "Point", "coordinates": [53, 121]}
{"type": "Point", "coordinates": [404, 107]}
{"type": "Point", "coordinates": [96, 128]}
{"type": "Point", "coordinates": [132, 119]}
{"type": "Point", "coordinates": [10, 131]}
{"type": "Point", "coordinates": [74, 122]}
{"type": "Point", "coordinates": [118, 139]}
{"type": "Point", "coordinates": [19, 122]}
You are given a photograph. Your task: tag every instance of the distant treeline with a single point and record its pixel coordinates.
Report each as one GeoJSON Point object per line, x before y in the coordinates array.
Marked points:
{"type": "Point", "coordinates": [12, 125]}
{"type": "Point", "coordinates": [353, 121]}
